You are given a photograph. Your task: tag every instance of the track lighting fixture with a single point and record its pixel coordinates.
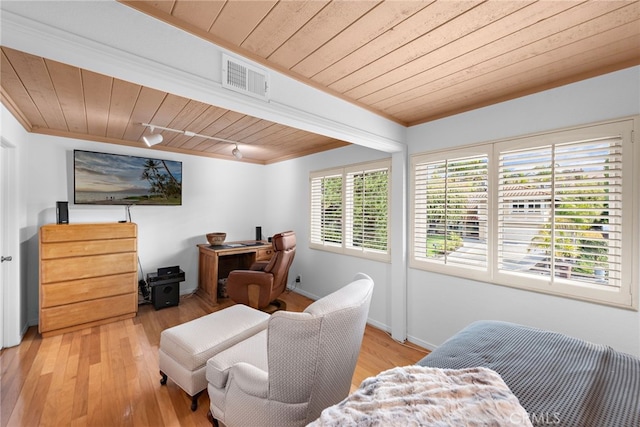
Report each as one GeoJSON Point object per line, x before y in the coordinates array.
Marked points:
{"type": "Point", "coordinates": [153, 139]}
{"type": "Point", "coordinates": [236, 153]}
{"type": "Point", "coordinates": [157, 138]}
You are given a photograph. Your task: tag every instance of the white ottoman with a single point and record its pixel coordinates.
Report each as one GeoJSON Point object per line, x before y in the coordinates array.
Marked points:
{"type": "Point", "coordinates": [185, 349]}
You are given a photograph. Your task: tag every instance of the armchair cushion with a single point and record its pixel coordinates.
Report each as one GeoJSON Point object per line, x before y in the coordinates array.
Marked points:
{"type": "Point", "coordinates": [252, 350]}
{"type": "Point", "coordinates": [251, 380]}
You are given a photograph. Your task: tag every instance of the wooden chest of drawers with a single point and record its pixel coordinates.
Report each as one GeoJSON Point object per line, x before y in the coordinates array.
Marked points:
{"type": "Point", "coordinates": [88, 275]}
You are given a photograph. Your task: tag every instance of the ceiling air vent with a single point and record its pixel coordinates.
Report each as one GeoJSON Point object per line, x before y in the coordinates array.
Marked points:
{"type": "Point", "coordinates": [244, 78]}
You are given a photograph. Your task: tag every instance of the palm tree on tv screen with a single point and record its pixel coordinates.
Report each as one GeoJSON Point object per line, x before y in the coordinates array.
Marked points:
{"type": "Point", "coordinates": [161, 183]}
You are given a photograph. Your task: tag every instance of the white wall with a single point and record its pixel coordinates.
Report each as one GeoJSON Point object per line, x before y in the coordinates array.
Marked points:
{"type": "Point", "coordinates": [218, 195]}
{"type": "Point", "coordinates": [439, 306]}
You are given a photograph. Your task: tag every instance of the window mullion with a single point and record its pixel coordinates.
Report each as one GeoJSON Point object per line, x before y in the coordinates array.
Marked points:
{"type": "Point", "coordinates": [446, 208]}
{"type": "Point", "coordinates": [553, 231]}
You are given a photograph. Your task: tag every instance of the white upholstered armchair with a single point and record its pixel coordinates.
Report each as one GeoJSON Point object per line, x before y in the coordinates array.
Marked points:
{"type": "Point", "coordinates": [302, 363]}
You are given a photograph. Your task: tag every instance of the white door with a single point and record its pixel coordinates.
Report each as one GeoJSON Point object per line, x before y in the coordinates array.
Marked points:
{"type": "Point", "coordinates": [9, 281]}
{"type": "Point", "coordinates": [3, 234]}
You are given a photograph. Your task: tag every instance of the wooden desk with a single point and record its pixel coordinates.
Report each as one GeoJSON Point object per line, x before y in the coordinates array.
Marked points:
{"type": "Point", "coordinates": [216, 262]}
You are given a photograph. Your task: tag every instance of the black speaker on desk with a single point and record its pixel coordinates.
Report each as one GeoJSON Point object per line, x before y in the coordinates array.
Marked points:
{"type": "Point", "coordinates": [167, 295]}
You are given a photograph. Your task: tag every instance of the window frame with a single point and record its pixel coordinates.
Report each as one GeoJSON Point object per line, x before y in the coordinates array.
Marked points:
{"type": "Point", "coordinates": [345, 246]}
{"type": "Point", "coordinates": [624, 296]}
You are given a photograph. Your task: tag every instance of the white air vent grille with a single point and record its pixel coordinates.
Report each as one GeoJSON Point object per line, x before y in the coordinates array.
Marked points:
{"type": "Point", "coordinates": [244, 78]}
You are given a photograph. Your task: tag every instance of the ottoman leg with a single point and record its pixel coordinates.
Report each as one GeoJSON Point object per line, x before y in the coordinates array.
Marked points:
{"type": "Point", "coordinates": [163, 380]}
{"type": "Point", "coordinates": [194, 401]}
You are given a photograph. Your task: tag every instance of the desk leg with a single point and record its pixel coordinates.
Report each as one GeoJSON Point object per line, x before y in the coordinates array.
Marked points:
{"type": "Point", "coordinates": [208, 276]}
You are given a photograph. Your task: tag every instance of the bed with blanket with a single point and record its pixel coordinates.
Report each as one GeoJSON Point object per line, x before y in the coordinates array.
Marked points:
{"type": "Point", "coordinates": [499, 373]}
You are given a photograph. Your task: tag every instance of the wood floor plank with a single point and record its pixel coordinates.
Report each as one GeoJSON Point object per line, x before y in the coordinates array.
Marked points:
{"type": "Point", "coordinates": [81, 390]}
{"type": "Point", "coordinates": [162, 411]}
{"type": "Point", "coordinates": [34, 414]}
{"type": "Point", "coordinates": [26, 403]}
{"type": "Point", "coordinates": [94, 401]}
{"type": "Point", "coordinates": [52, 399]}
{"type": "Point", "coordinates": [109, 375]}
{"type": "Point", "coordinates": [15, 363]}
{"type": "Point", "coordinates": [64, 402]}
{"type": "Point", "coordinates": [52, 354]}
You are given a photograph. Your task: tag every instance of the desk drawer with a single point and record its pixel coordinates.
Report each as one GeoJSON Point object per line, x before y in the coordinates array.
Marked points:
{"type": "Point", "coordinates": [264, 254]}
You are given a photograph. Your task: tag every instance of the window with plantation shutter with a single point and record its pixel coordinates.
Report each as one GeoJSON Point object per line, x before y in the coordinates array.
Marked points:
{"type": "Point", "coordinates": [350, 210]}
{"type": "Point", "coordinates": [326, 209]}
{"type": "Point", "coordinates": [450, 211]}
{"type": "Point", "coordinates": [367, 209]}
{"type": "Point", "coordinates": [575, 235]}
{"type": "Point", "coordinates": [553, 212]}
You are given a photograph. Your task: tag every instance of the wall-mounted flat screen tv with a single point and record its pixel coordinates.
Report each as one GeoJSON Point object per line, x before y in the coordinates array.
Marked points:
{"type": "Point", "coordinates": [116, 179]}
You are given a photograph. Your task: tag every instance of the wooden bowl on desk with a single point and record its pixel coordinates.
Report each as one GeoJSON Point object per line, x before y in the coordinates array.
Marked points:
{"type": "Point", "coordinates": [216, 239]}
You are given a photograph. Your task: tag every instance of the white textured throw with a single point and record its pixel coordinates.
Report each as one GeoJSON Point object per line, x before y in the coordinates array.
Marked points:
{"type": "Point", "coordinates": [421, 396]}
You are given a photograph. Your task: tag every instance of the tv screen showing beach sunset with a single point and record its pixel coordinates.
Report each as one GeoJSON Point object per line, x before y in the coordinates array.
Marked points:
{"type": "Point", "coordinates": [115, 179]}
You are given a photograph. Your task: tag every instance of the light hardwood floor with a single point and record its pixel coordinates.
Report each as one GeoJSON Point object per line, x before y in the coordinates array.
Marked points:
{"type": "Point", "coordinates": [108, 375]}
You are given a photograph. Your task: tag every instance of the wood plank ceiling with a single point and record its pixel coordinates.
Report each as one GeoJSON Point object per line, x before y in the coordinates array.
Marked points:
{"type": "Point", "coordinates": [57, 99]}
{"type": "Point", "coordinates": [410, 61]}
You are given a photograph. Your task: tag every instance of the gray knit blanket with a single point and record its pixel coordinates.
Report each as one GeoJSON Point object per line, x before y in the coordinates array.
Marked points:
{"type": "Point", "coordinates": [422, 396]}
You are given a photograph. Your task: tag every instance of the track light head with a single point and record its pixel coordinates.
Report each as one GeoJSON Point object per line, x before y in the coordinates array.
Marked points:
{"type": "Point", "coordinates": [152, 139]}
{"type": "Point", "coordinates": [236, 153]}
